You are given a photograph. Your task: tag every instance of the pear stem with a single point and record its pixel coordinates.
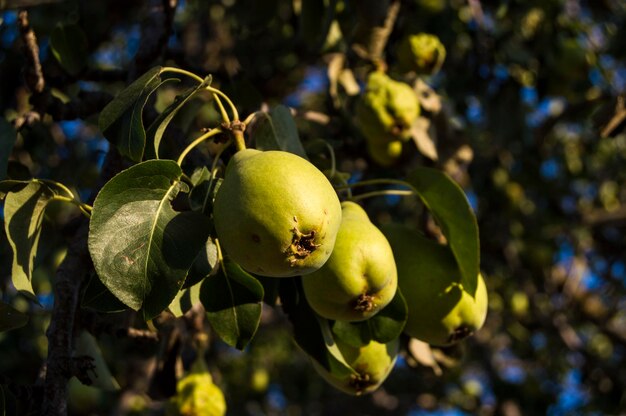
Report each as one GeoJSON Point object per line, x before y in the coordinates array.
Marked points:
{"type": "Point", "coordinates": [236, 129]}
{"type": "Point", "coordinates": [373, 182]}
{"type": "Point", "coordinates": [196, 142]}
{"type": "Point", "coordinates": [399, 192]}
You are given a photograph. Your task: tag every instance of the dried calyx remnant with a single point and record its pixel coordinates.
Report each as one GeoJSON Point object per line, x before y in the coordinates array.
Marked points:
{"type": "Point", "coordinates": [460, 333]}
{"type": "Point", "coordinates": [360, 382]}
{"type": "Point", "coordinates": [301, 245]}
{"type": "Point", "coordinates": [364, 303]}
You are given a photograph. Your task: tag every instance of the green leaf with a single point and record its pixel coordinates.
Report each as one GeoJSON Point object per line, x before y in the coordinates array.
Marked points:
{"type": "Point", "coordinates": [204, 190]}
{"type": "Point", "coordinates": [383, 327]}
{"type": "Point", "coordinates": [87, 345]}
{"type": "Point", "coordinates": [310, 332]}
{"type": "Point", "coordinates": [203, 264]}
{"type": "Point", "coordinates": [270, 288]}
{"type": "Point", "coordinates": [233, 300]}
{"type": "Point", "coordinates": [316, 17]}
{"type": "Point", "coordinates": [157, 128]}
{"type": "Point", "coordinates": [142, 248]}
{"type": "Point", "coordinates": [121, 120]}
{"type": "Point", "coordinates": [449, 206]}
{"type": "Point", "coordinates": [23, 218]}
{"type": "Point", "coordinates": [11, 318]}
{"type": "Point", "coordinates": [276, 130]}
{"type": "Point", "coordinates": [99, 298]}
{"type": "Point", "coordinates": [8, 135]}
{"type": "Point", "coordinates": [69, 47]}
{"type": "Point", "coordinates": [185, 300]}
{"type": "Point", "coordinates": [9, 185]}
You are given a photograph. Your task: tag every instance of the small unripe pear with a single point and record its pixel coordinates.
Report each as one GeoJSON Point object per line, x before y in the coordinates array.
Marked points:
{"type": "Point", "coordinates": [372, 364]}
{"type": "Point", "coordinates": [386, 109]}
{"type": "Point", "coordinates": [384, 153]}
{"type": "Point", "coordinates": [441, 311]}
{"type": "Point", "coordinates": [276, 214]}
{"type": "Point", "coordinates": [359, 278]}
{"type": "Point", "coordinates": [423, 53]}
{"type": "Point", "coordinates": [197, 395]}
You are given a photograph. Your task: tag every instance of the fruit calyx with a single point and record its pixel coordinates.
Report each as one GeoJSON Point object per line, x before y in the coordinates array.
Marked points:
{"type": "Point", "coordinates": [302, 245]}
{"type": "Point", "coordinates": [360, 382]}
{"type": "Point", "coordinates": [364, 303]}
{"type": "Point", "coordinates": [460, 333]}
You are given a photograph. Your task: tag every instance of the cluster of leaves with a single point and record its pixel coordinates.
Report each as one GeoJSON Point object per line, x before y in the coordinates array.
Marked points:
{"type": "Point", "coordinates": [148, 256]}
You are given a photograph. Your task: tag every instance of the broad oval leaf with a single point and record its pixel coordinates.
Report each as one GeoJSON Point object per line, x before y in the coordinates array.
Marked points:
{"type": "Point", "coordinates": [449, 206]}
{"type": "Point", "coordinates": [383, 327]}
{"type": "Point", "coordinates": [142, 248]}
{"type": "Point", "coordinates": [69, 47]}
{"type": "Point", "coordinates": [8, 135]}
{"type": "Point", "coordinates": [24, 206]}
{"type": "Point", "coordinates": [233, 300]}
{"type": "Point", "coordinates": [11, 318]}
{"type": "Point", "coordinates": [276, 130]}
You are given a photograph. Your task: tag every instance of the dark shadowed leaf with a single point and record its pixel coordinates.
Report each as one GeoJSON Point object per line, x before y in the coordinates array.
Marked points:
{"type": "Point", "coordinates": [203, 264]}
{"type": "Point", "coordinates": [69, 47]}
{"type": "Point", "coordinates": [24, 207]}
{"type": "Point", "coordinates": [11, 318]}
{"type": "Point", "coordinates": [8, 136]}
{"type": "Point", "coordinates": [448, 204]}
{"type": "Point", "coordinates": [310, 332]}
{"type": "Point", "coordinates": [233, 300]}
{"type": "Point", "coordinates": [99, 298]}
{"type": "Point", "coordinates": [204, 190]}
{"type": "Point", "coordinates": [121, 120]}
{"type": "Point", "coordinates": [270, 289]}
{"type": "Point", "coordinates": [9, 185]}
{"type": "Point", "coordinates": [157, 128]}
{"type": "Point", "coordinates": [276, 130]}
{"type": "Point", "coordinates": [142, 248]}
{"type": "Point", "coordinates": [101, 377]}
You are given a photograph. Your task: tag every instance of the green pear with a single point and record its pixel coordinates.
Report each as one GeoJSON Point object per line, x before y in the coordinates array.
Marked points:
{"type": "Point", "coordinates": [359, 278]}
{"type": "Point", "coordinates": [441, 311]}
{"type": "Point", "coordinates": [371, 363]}
{"type": "Point", "coordinates": [196, 394]}
{"type": "Point", "coordinates": [384, 153]}
{"type": "Point", "coordinates": [387, 109]}
{"type": "Point", "coordinates": [423, 53]}
{"type": "Point", "coordinates": [276, 214]}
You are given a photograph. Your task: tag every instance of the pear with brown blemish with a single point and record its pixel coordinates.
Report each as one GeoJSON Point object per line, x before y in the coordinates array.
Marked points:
{"type": "Point", "coordinates": [276, 214]}
{"type": "Point", "coordinates": [370, 364]}
{"type": "Point", "coordinates": [359, 278]}
{"type": "Point", "coordinates": [441, 311]}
